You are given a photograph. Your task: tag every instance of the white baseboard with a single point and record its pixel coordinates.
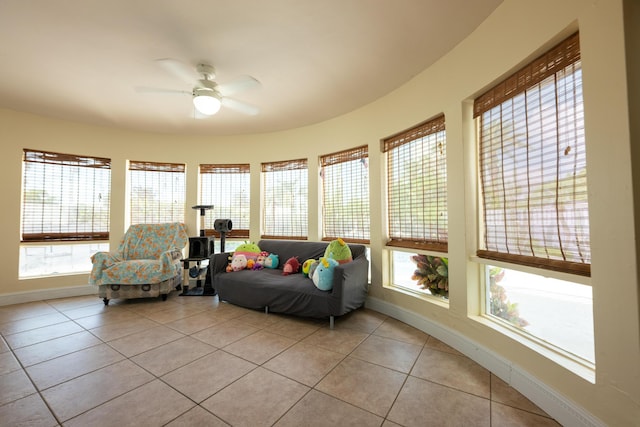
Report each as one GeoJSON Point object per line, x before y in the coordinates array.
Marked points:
{"type": "Point", "coordinates": [553, 403]}
{"type": "Point", "coordinates": [44, 294]}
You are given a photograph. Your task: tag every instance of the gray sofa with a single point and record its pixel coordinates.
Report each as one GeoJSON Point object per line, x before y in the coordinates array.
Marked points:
{"type": "Point", "coordinates": [269, 290]}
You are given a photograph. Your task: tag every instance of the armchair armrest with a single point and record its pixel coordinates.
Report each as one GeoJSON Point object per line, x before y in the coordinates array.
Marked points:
{"type": "Point", "coordinates": [168, 261]}
{"type": "Point", "coordinates": [101, 261]}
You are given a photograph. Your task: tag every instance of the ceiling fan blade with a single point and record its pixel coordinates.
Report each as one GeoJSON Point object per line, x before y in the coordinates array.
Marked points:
{"type": "Point", "coordinates": [238, 85]}
{"type": "Point", "coordinates": [179, 69]}
{"type": "Point", "coordinates": [240, 107]}
{"type": "Point", "coordinates": [145, 89]}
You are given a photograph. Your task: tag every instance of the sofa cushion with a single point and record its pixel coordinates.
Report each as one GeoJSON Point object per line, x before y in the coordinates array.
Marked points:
{"type": "Point", "coordinates": [286, 249]}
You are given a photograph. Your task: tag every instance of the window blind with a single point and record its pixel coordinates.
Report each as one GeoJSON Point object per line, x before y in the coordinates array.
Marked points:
{"type": "Point", "coordinates": [345, 195]}
{"type": "Point", "coordinates": [533, 168]}
{"type": "Point", "coordinates": [226, 187]}
{"type": "Point", "coordinates": [157, 192]}
{"type": "Point", "coordinates": [417, 187]}
{"type": "Point", "coordinates": [285, 200]}
{"type": "Point", "coordinates": [65, 197]}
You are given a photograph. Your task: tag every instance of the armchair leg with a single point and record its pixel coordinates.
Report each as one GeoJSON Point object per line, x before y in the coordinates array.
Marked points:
{"type": "Point", "coordinates": [106, 301]}
{"type": "Point", "coordinates": [331, 322]}
{"type": "Point", "coordinates": [164, 297]}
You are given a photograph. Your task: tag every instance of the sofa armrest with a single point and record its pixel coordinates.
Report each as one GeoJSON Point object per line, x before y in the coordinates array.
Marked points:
{"type": "Point", "coordinates": [350, 284]}
{"type": "Point", "coordinates": [218, 263]}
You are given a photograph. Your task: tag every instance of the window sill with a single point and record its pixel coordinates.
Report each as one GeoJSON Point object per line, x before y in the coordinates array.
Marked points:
{"type": "Point", "coordinates": [432, 299]}
{"type": "Point", "coordinates": [583, 368]}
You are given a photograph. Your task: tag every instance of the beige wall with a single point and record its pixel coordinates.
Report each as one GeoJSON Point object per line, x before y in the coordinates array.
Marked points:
{"type": "Point", "coordinates": [518, 30]}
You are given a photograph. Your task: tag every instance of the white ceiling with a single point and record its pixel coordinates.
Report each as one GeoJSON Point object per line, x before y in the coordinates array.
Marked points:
{"type": "Point", "coordinates": [83, 60]}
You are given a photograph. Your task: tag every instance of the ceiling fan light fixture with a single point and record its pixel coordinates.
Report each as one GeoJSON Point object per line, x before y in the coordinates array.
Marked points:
{"type": "Point", "coordinates": [206, 101]}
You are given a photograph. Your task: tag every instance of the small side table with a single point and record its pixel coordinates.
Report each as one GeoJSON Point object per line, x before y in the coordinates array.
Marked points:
{"type": "Point", "coordinates": [194, 277]}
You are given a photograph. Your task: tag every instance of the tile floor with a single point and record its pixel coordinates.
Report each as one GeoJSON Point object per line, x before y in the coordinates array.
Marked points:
{"type": "Point", "coordinates": [192, 361]}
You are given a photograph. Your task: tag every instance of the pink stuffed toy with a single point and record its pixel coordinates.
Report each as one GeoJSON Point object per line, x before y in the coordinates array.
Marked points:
{"type": "Point", "coordinates": [291, 266]}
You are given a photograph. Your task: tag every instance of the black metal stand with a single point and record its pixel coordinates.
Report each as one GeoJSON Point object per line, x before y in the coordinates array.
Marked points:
{"type": "Point", "coordinates": [196, 274]}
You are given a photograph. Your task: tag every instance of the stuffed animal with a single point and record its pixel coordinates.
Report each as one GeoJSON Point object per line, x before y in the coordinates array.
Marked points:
{"type": "Point", "coordinates": [272, 261]}
{"type": "Point", "coordinates": [260, 260]}
{"type": "Point", "coordinates": [312, 268]}
{"type": "Point", "coordinates": [323, 274]}
{"type": "Point", "coordinates": [306, 265]}
{"type": "Point", "coordinates": [291, 266]}
{"type": "Point", "coordinates": [238, 262]}
{"type": "Point", "coordinates": [339, 251]}
{"type": "Point", "coordinates": [249, 250]}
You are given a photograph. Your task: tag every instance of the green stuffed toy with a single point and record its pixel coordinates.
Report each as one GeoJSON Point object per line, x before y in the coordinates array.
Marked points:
{"type": "Point", "coordinates": [249, 250]}
{"type": "Point", "coordinates": [306, 266]}
{"type": "Point", "coordinates": [244, 256]}
{"type": "Point", "coordinates": [339, 251]}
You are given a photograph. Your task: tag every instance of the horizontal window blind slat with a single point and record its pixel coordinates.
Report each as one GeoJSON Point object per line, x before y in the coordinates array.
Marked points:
{"type": "Point", "coordinates": [284, 165]}
{"type": "Point", "coordinates": [135, 165]}
{"type": "Point", "coordinates": [39, 156]}
{"type": "Point", "coordinates": [537, 262]}
{"type": "Point", "coordinates": [562, 55]}
{"type": "Point", "coordinates": [225, 168]}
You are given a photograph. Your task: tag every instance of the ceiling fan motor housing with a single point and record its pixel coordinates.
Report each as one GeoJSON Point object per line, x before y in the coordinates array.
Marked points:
{"type": "Point", "coordinates": [207, 71]}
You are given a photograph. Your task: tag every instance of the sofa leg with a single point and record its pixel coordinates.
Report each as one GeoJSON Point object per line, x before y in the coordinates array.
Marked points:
{"type": "Point", "coordinates": [331, 322]}
{"type": "Point", "coordinates": [266, 309]}
{"type": "Point", "coordinates": [106, 301]}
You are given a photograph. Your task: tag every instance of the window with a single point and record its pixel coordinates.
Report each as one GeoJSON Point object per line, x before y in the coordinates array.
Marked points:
{"type": "Point", "coordinates": [285, 200]}
{"type": "Point", "coordinates": [226, 187]}
{"type": "Point", "coordinates": [65, 212]}
{"type": "Point", "coordinates": [417, 207]}
{"type": "Point", "coordinates": [157, 192]}
{"type": "Point", "coordinates": [417, 187]}
{"type": "Point", "coordinates": [533, 169]}
{"type": "Point", "coordinates": [65, 197]}
{"type": "Point", "coordinates": [533, 179]}
{"type": "Point", "coordinates": [345, 195]}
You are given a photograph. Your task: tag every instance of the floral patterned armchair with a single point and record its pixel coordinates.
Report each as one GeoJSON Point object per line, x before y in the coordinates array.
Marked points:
{"type": "Point", "coordinates": [146, 264]}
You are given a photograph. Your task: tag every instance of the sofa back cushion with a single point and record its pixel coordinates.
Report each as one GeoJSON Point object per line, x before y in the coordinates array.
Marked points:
{"type": "Point", "coordinates": [304, 250]}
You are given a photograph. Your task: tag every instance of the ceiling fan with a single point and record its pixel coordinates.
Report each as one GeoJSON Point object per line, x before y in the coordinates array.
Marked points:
{"type": "Point", "coordinates": [208, 96]}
